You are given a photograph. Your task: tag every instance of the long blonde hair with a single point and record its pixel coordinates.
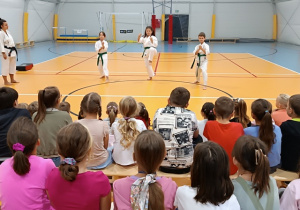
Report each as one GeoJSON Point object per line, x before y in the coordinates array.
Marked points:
{"type": "Point", "coordinates": [128, 128]}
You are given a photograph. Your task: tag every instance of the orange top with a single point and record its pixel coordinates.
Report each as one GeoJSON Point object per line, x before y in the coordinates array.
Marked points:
{"type": "Point", "coordinates": [225, 135]}
{"type": "Point", "coordinates": [280, 116]}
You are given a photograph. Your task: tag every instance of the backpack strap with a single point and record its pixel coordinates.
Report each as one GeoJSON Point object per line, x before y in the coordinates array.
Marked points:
{"type": "Point", "coordinates": [255, 201]}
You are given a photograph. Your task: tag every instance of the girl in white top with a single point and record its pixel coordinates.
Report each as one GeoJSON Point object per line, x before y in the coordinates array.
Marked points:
{"type": "Point", "coordinates": [149, 43]}
{"type": "Point", "coordinates": [125, 131]}
{"type": "Point", "coordinates": [200, 52]}
{"type": "Point", "coordinates": [8, 52]}
{"type": "Point", "coordinates": [207, 113]}
{"type": "Point", "coordinates": [211, 187]}
{"type": "Point", "coordinates": [101, 48]}
{"type": "Point", "coordinates": [98, 129]}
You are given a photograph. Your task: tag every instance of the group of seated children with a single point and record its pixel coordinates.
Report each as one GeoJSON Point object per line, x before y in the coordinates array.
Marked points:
{"type": "Point", "coordinates": [173, 147]}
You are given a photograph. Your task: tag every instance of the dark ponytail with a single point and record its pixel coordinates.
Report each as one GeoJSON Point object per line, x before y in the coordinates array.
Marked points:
{"type": "Point", "coordinates": [47, 98]}
{"type": "Point", "coordinates": [261, 109]}
{"type": "Point", "coordinates": [143, 113]}
{"type": "Point", "coordinates": [73, 142]}
{"type": "Point", "coordinates": [207, 110]}
{"type": "Point", "coordinates": [22, 138]}
{"type": "Point", "coordinates": [251, 152]}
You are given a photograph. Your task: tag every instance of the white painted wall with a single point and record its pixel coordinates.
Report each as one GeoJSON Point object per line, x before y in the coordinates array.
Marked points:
{"type": "Point", "coordinates": [243, 20]}
{"type": "Point", "coordinates": [40, 20]}
{"type": "Point", "coordinates": [12, 12]}
{"type": "Point", "coordinates": [238, 19]}
{"type": "Point", "coordinates": [289, 21]}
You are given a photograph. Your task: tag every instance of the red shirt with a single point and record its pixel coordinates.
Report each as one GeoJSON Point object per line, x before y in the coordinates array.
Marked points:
{"type": "Point", "coordinates": [225, 135]}
{"type": "Point", "coordinates": [83, 193]}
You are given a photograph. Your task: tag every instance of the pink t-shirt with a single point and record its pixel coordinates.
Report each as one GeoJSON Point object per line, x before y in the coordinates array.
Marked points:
{"type": "Point", "coordinates": [122, 192]}
{"type": "Point", "coordinates": [280, 116]}
{"type": "Point", "coordinates": [83, 193]}
{"type": "Point", "coordinates": [27, 191]}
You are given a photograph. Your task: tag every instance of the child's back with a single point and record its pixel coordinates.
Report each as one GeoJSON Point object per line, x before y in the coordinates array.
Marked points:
{"type": "Point", "coordinates": [149, 151]}
{"type": "Point", "coordinates": [83, 193]}
{"type": "Point", "coordinates": [27, 192]}
{"type": "Point", "coordinates": [280, 115]}
{"type": "Point", "coordinates": [290, 145]}
{"type": "Point", "coordinates": [122, 191]}
{"type": "Point", "coordinates": [222, 131]}
{"type": "Point", "coordinates": [70, 186]}
{"type": "Point", "coordinates": [225, 135]}
{"type": "Point", "coordinates": [290, 129]}
{"type": "Point", "coordinates": [23, 177]}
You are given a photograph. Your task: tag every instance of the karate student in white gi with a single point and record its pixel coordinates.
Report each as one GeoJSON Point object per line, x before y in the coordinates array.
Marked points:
{"type": "Point", "coordinates": [149, 43]}
{"type": "Point", "coordinates": [201, 51]}
{"type": "Point", "coordinates": [8, 53]}
{"type": "Point", "coordinates": [101, 48]}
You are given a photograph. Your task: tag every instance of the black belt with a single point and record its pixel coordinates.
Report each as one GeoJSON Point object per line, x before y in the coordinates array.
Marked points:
{"type": "Point", "coordinates": [11, 50]}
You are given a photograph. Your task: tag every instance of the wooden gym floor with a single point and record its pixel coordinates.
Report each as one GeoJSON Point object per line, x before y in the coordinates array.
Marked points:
{"type": "Point", "coordinates": [240, 75]}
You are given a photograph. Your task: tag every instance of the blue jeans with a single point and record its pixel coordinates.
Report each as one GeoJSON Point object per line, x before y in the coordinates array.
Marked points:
{"type": "Point", "coordinates": [107, 162]}
{"type": "Point", "coordinates": [56, 161]}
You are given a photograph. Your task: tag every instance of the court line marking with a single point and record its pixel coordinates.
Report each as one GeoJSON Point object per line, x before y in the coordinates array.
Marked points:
{"type": "Point", "coordinates": [157, 63]}
{"type": "Point", "coordinates": [142, 72]}
{"type": "Point", "coordinates": [238, 65]}
{"type": "Point", "coordinates": [145, 96]}
{"type": "Point", "coordinates": [275, 64]}
{"type": "Point", "coordinates": [54, 58]}
{"type": "Point", "coordinates": [75, 65]}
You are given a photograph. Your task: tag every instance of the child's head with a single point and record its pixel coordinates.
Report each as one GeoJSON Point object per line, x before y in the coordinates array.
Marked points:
{"type": "Point", "coordinates": [128, 106]}
{"type": "Point", "coordinates": [127, 127]}
{"type": "Point", "coordinates": [91, 104]}
{"type": "Point", "coordinates": [293, 107]}
{"type": "Point", "coordinates": [112, 111]}
{"type": "Point", "coordinates": [22, 139]}
{"type": "Point", "coordinates": [149, 152]}
{"type": "Point", "coordinates": [33, 107]}
{"type": "Point", "coordinates": [73, 145]}
{"type": "Point", "coordinates": [3, 24]}
{"type": "Point", "coordinates": [149, 31]}
{"type": "Point", "coordinates": [47, 98]}
{"type": "Point", "coordinates": [224, 107]}
{"type": "Point", "coordinates": [250, 155]}
{"type": "Point", "coordinates": [201, 37]}
{"type": "Point", "coordinates": [8, 97]}
{"type": "Point", "coordinates": [64, 106]}
{"type": "Point", "coordinates": [282, 100]}
{"type": "Point", "coordinates": [240, 111]}
{"type": "Point", "coordinates": [102, 35]}
{"type": "Point", "coordinates": [210, 174]}
{"type": "Point", "coordinates": [179, 97]}
{"type": "Point", "coordinates": [260, 109]}
{"type": "Point", "coordinates": [22, 106]}
{"type": "Point", "coordinates": [207, 111]}
{"type": "Point", "coordinates": [143, 113]}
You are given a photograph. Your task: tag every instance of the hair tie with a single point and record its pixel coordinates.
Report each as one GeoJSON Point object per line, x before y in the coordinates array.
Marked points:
{"type": "Point", "coordinates": [139, 195]}
{"type": "Point", "coordinates": [18, 147]}
{"type": "Point", "coordinates": [267, 111]}
{"type": "Point", "coordinates": [69, 161]}
{"type": "Point", "coordinates": [258, 153]}
{"type": "Point", "coordinates": [126, 118]}
{"type": "Point", "coordinates": [211, 111]}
